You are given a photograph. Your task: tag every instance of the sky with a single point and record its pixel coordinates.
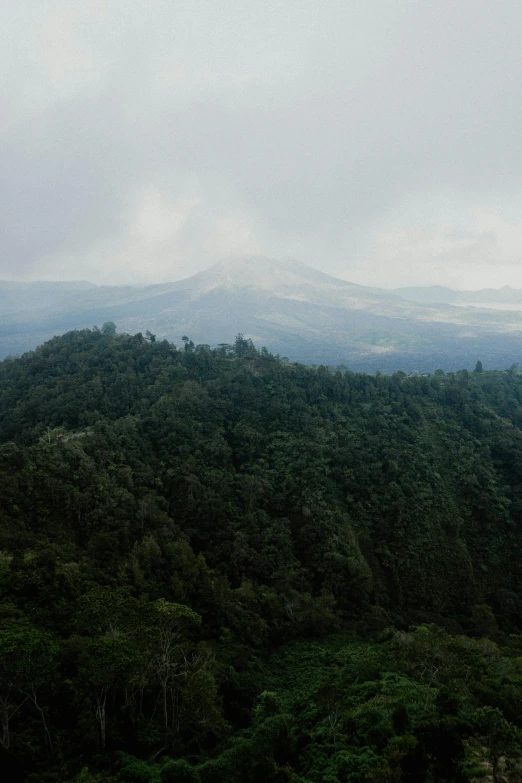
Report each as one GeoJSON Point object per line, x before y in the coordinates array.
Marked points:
{"type": "Point", "coordinates": [376, 140]}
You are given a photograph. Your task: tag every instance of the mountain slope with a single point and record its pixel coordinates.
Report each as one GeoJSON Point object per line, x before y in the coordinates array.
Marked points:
{"type": "Point", "coordinates": [16, 297]}
{"type": "Point", "coordinates": [292, 309]}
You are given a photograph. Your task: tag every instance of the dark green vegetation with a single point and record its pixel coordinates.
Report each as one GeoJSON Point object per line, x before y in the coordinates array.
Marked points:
{"type": "Point", "coordinates": [293, 309]}
{"type": "Point", "coordinates": [220, 566]}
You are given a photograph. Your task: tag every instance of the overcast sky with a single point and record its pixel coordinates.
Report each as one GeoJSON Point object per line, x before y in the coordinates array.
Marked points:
{"type": "Point", "coordinates": [378, 140]}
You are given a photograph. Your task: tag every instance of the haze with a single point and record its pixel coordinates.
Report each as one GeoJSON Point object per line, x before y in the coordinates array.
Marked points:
{"type": "Point", "coordinates": [377, 141]}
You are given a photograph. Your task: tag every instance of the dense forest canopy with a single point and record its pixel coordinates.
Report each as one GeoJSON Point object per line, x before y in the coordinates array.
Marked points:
{"type": "Point", "coordinates": [216, 565]}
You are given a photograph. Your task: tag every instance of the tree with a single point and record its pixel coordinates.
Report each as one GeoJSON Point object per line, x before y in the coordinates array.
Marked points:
{"type": "Point", "coordinates": [501, 738]}
{"type": "Point", "coordinates": [28, 661]}
{"type": "Point", "coordinates": [109, 327]}
{"type": "Point", "coordinates": [111, 654]}
{"type": "Point", "coordinates": [105, 662]}
{"type": "Point", "coordinates": [244, 347]}
{"type": "Point", "coordinates": [478, 366]}
{"type": "Point", "coordinates": [173, 659]}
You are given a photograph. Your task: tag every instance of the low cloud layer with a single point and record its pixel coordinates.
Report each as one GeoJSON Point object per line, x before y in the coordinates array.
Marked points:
{"type": "Point", "coordinates": [378, 140]}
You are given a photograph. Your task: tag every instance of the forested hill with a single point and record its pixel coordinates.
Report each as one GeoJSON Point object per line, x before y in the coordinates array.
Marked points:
{"type": "Point", "coordinates": [217, 565]}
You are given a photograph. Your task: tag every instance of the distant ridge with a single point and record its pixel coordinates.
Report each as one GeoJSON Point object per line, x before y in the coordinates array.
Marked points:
{"type": "Point", "coordinates": [437, 294]}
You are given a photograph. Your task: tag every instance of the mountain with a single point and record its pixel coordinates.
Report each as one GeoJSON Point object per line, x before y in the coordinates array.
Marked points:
{"type": "Point", "coordinates": [432, 294]}
{"type": "Point", "coordinates": [293, 309]}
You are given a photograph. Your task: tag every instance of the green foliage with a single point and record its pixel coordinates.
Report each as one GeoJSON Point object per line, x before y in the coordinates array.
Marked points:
{"type": "Point", "coordinates": [237, 568]}
{"type": "Point", "coordinates": [178, 771]}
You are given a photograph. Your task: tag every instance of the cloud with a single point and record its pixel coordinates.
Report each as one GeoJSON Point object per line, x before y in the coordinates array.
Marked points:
{"type": "Point", "coordinates": [377, 140]}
